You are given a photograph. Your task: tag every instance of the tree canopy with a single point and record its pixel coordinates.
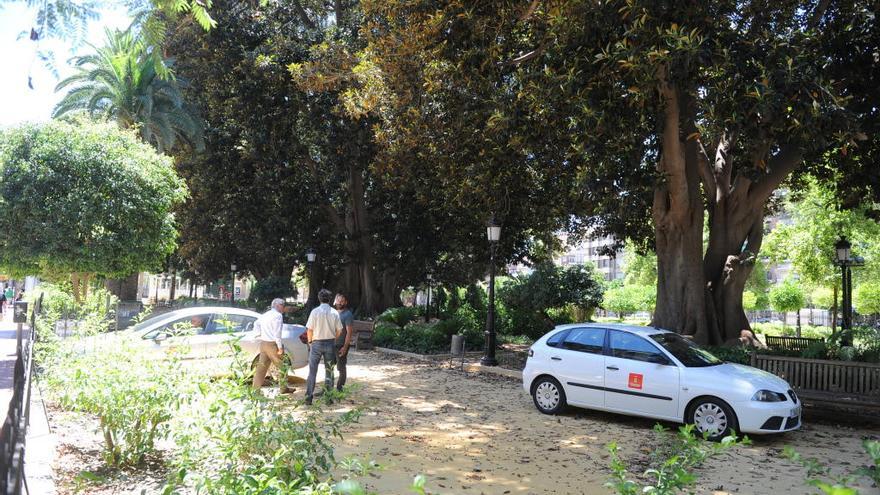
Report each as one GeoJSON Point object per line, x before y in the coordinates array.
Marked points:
{"type": "Point", "coordinates": [84, 197]}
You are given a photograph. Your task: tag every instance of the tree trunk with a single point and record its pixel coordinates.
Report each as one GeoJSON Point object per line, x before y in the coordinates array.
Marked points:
{"type": "Point", "coordinates": [359, 228]}
{"type": "Point", "coordinates": [172, 293]}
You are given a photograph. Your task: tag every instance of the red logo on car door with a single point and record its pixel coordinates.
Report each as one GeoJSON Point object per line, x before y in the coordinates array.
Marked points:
{"type": "Point", "coordinates": [635, 380]}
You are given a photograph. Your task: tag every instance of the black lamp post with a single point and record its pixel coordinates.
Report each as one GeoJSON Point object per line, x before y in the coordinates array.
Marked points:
{"type": "Point", "coordinates": [311, 255]}
{"type": "Point", "coordinates": [430, 277]}
{"type": "Point", "coordinates": [846, 261]}
{"type": "Point", "coordinates": [233, 268]}
{"type": "Point", "coordinates": [493, 232]}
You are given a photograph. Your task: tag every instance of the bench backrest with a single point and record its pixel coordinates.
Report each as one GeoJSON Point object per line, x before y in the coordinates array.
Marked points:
{"type": "Point", "coordinates": [790, 343]}
{"type": "Point", "coordinates": [363, 326]}
{"type": "Point", "coordinates": [840, 377]}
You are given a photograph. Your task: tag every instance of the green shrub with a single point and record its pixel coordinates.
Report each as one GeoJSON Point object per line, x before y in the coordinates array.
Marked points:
{"type": "Point", "coordinates": [132, 396]}
{"type": "Point", "coordinates": [673, 464]}
{"type": "Point", "coordinates": [400, 316]}
{"type": "Point", "coordinates": [736, 354]}
{"type": "Point", "coordinates": [269, 288]}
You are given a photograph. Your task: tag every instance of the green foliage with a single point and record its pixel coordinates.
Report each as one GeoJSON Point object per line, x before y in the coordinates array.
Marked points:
{"type": "Point", "coordinates": [269, 288]}
{"type": "Point", "coordinates": [430, 338]}
{"type": "Point", "coordinates": [750, 300]}
{"type": "Point", "coordinates": [640, 269]}
{"type": "Point", "coordinates": [822, 297]}
{"type": "Point", "coordinates": [821, 477]}
{"type": "Point", "coordinates": [629, 299]}
{"type": "Point", "coordinates": [133, 396]}
{"type": "Point", "coordinates": [735, 354]}
{"type": "Point", "coordinates": [866, 298]}
{"type": "Point", "coordinates": [536, 302]}
{"type": "Point", "coordinates": [400, 316]}
{"type": "Point", "coordinates": [71, 194]}
{"type": "Point", "coordinates": [786, 296]}
{"type": "Point", "coordinates": [674, 463]}
{"type": "Point", "coordinates": [123, 81]}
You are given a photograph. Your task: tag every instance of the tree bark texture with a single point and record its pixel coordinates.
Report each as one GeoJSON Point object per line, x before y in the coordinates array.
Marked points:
{"type": "Point", "coordinates": [700, 293]}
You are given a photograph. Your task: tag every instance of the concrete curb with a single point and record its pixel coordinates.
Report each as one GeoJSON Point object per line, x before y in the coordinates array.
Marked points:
{"type": "Point", "coordinates": [469, 367]}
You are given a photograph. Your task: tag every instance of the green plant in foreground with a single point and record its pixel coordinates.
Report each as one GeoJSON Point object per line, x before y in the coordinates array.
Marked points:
{"type": "Point", "coordinates": [820, 476]}
{"type": "Point", "coordinates": [672, 471]}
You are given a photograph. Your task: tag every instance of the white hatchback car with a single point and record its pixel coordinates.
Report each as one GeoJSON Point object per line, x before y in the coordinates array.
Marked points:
{"type": "Point", "coordinates": [644, 371]}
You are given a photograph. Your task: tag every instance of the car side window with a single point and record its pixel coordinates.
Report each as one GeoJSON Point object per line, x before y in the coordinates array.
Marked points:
{"type": "Point", "coordinates": [556, 340]}
{"type": "Point", "coordinates": [628, 346]}
{"type": "Point", "coordinates": [590, 340]}
{"type": "Point", "coordinates": [223, 323]}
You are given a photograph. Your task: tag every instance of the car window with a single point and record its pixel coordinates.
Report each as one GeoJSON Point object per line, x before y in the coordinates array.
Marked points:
{"type": "Point", "coordinates": [224, 323]}
{"type": "Point", "coordinates": [590, 340]}
{"type": "Point", "coordinates": [556, 340]}
{"type": "Point", "coordinates": [629, 346]}
{"type": "Point", "coordinates": [187, 325]}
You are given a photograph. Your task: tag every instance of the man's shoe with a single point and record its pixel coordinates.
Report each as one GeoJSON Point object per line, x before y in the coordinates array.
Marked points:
{"type": "Point", "coordinates": [287, 390]}
{"type": "Point", "coordinates": [308, 401]}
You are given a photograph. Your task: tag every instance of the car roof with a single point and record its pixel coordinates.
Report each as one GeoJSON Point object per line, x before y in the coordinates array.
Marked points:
{"type": "Point", "coordinates": [643, 331]}
{"type": "Point", "coordinates": [197, 310]}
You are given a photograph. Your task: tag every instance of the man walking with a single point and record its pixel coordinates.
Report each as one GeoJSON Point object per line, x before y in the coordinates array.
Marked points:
{"type": "Point", "coordinates": [322, 330]}
{"type": "Point", "coordinates": [343, 342]}
{"type": "Point", "coordinates": [268, 328]}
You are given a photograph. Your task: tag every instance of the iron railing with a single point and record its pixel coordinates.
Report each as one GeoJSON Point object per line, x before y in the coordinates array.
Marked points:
{"type": "Point", "coordinates": [14, 431]}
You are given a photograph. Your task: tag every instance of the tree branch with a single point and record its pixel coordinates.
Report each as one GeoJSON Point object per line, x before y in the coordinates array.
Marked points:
{"type": "Point", "coordinates": [673, 161]}
{"type": "Point", "coordinates": [781, 165]}
{"type": "Point", "coordinates": [706, 174]}
{"type": "Point", "coordinates": [529, 11]}
{"type": "Point", "coordinates": [528, 56]}
{"type": "Point", "coordinates": [303, 14]}
{"type": "Point", "coordinates": [817, 14]}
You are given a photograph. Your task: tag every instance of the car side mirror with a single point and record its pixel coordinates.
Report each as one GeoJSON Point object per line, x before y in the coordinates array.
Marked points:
{"type": "Point", "coordinates": [160, 337]}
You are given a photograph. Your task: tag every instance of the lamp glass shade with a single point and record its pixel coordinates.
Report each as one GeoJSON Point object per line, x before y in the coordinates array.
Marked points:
{"type": "Point", "coordinates": [493, 232]}
{"type": "Point", "coordinates": [234, 267]}
{"type": "Point", "coordinates": [310, 256]}
{"type": "Point", "coordinates": [429, 276]}
{"type": "Point", "coordinates": [842, 247]}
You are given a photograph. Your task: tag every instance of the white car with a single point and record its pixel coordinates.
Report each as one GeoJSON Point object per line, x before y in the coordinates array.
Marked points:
{"type": "Point", "coordinates": [206, 332]}
{"type": "Point", "coordinates": [644, 371]}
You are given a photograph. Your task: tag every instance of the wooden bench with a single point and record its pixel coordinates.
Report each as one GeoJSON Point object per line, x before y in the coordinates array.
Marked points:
{"type": "Point", "coordinates": [837, 385]}
{"type": "Point", "coordinates": [797, 344]}
{"type": "Point", "coordinates": [363, 334]}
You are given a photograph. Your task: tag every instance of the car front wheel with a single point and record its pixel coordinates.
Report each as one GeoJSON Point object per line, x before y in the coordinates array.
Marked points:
{"type": "Point", "coordinates": [712, 417]}
{"type": "Point", "coordinates": [548, 395]}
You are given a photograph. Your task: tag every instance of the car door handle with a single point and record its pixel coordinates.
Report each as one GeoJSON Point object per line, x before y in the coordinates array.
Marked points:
{"type": "Point", "coordinates": [612, 368]}
{"type": "Point", "coordinates": [556, 358]}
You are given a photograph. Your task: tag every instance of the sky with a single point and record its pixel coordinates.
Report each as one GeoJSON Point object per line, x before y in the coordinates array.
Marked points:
{"type": "Point", "coordinates": [18, 103]}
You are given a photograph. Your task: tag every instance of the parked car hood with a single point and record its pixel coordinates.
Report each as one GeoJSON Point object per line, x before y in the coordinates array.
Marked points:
{"type": "Point", "coordinates": [759, 379]}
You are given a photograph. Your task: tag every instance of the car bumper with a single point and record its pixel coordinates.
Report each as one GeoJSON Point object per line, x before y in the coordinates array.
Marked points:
{"type": "Point", "coordinates": [528, 376]}
{"type": "Point", "coordinates": [768, 417]}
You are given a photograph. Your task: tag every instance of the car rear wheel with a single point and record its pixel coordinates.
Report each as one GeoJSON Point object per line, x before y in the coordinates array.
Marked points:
{"type": "Point", "coordinates": [712, 417]}
{"type": "Point", "coordinates": [548, 395]}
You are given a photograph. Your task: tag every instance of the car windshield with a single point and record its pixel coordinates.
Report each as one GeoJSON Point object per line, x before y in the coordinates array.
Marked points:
{"type": "Point", "coordinates": [690, 354]}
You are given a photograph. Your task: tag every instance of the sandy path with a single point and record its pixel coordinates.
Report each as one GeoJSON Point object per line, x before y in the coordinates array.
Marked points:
{"type": "Point", "coordinates": [473, 434]}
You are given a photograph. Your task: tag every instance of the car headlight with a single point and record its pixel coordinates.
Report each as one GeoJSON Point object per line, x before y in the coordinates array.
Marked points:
{"type": "Point", "coordinates": [768, 396]}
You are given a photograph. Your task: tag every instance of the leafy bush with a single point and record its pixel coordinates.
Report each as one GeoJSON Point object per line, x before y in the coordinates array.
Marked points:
{"type": "Point", "coordinates": [548, 297]}
{"type": "Point", "coordinates": [673, 464]}
{"type": "Point", "coordinates": [427, 338]}
{"type": "Point", "coordinates": [400, 316]}
{"type": "Point", "coordinates": [132, 396]}
{"type": "Point", "coordinates": [629, 299]}
{"type": "Point", "coordinates": [786, 297]}
{"type": "Point", "coordinates": [269, 288]}
{"type": "Point", "coordinates": [736, 354]}
{"type": "Point", "coordinates": [236, 442]}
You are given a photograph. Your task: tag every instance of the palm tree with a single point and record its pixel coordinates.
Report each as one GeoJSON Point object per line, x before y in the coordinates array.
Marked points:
{"type": "Point", "coordinates": [128, 82]}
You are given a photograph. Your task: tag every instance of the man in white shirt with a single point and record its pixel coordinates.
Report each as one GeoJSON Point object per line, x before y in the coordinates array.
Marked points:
{"type": "Point", "coordinates": [323, 327]}
{"type": "Point", "coordinates": [268, 328]}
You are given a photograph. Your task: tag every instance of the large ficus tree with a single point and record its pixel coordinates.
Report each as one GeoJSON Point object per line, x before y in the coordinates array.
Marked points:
{"type": "Point", "coordinates": [662, 116]}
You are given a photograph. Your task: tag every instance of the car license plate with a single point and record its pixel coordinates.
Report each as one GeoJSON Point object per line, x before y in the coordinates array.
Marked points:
{"type": "Point", "coordinates": [795, 412]}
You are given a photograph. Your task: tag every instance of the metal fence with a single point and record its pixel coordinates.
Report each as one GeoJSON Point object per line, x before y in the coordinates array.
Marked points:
{"type": "Point", "coordinates": [14, 431]}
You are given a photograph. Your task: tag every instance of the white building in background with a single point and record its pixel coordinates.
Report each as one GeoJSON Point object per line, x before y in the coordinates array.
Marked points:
{"type": "Point", "coordinates": [599, 251]}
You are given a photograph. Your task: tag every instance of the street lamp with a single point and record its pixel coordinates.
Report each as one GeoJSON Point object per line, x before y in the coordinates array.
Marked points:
{"type": "Point", "coordinates": [233, 268]}
{"type": "Point", "coordinates": [493, 233]}
{"type": "Point", "coordinates": [846, 261]}
{"type": "Point", "coordinates": [430, 277]}
{"type": "Point", "coordinates": [311, 255]}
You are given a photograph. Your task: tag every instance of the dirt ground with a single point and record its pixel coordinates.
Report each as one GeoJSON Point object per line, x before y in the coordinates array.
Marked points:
{"type": "Point", "coordinates": [481, 434]}
{"type": "Point", "coordinates": [476, 434]}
